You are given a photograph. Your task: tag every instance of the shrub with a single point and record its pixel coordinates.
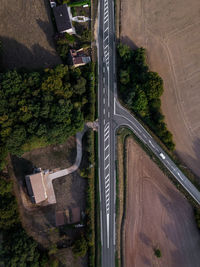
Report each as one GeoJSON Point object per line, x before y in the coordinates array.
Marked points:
{"type": "Point", "coordinates": [157, 253]}
{"type": "Point", "coordinates": [80, 247]}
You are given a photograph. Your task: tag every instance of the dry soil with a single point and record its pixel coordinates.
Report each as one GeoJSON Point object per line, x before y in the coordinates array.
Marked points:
{"type": "Point", "coordinates": [157, 216]}
{"type": "Point", "coordinates": [169, 30]}
{"type": "Point", "coordinates": [26, 32]}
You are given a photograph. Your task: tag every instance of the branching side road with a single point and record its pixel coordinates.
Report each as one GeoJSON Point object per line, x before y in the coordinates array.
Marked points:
{"type": "Point", "coordinates": [111, 116]}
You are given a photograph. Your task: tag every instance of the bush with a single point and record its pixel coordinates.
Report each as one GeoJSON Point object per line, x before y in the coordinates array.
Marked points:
{"type": "Point", "coordinates": [80, 247]}
{"type": "Point", "coordinates": [157, 253]}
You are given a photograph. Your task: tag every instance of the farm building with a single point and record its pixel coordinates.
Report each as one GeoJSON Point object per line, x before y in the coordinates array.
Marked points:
{"type": "Point", "coordinates": [63, 20]}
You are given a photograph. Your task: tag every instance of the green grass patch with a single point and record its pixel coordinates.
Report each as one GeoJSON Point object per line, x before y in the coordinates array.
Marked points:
{"type": "Point", "coordinates": [78, 3]}
{"type": "Point", "coordinates": [34, 143]}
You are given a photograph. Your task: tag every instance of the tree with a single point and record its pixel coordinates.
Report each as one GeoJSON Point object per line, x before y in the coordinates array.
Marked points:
{"type": "Point", "coordinates": [140, 103]}
{"type": "Point", "coordinates": [125, 52]}
{"type": "Point", "coordinates": [80, 247]}
{"type": "Point", "coordinates": [157, 253]}
{"type": "Point", "coordinates": [155, 104]}
{"type": "Point", "coordinates": [153, 86]}
{"type": "Point", "coordinates": [8, 205]}
{"type": "Point", "coordinates": [140, 59]}
{"type": "Point", "coordinates": [21, 250]}
{"type": "Point", "coordinates": [124, 77]}
{"type": "Point", "coordinates": [5, 186]}
{"type": "Point", "coordinates": [17, 248]}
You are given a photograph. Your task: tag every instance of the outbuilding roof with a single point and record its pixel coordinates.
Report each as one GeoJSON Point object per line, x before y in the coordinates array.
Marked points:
{"type": "Point", "coordinates": [62, 18]}
{"type": "Point", "coordinates": [60, 219]}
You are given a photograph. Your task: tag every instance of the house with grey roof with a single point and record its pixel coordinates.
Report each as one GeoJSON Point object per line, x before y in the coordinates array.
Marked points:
{"type": "Point", "coordinates": [63, 19]}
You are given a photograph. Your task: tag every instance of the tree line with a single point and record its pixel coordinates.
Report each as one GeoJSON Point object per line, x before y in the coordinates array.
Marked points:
{"type": "Point", "coordinates": [18, 249]}
{"type": "Point", "coordinates": [141, 89]}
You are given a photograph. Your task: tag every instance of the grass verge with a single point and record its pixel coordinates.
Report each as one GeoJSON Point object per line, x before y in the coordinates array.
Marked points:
{"type": "Point", "coordinates": [120, 196]}
{"type": "Point", "coordinates": [97, 208]}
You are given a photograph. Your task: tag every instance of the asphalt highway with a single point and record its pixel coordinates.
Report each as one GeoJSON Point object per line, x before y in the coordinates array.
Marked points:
{"type": "Point", "coordinates": [106, 70]}
{"type": "Point", "coordinates": [111, 116]}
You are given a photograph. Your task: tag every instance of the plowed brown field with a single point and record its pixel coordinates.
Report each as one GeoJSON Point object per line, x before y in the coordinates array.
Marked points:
{"type": "Point", "coordinates": [157, 216]}
{"type": "Point", "coordinates": [26, 32]}
{"type": "Point", "coordinates": [169, 30]}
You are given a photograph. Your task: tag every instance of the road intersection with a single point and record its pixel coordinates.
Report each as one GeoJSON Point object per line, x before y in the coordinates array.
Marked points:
{"type": "Point", "coordinates": [111, 116]}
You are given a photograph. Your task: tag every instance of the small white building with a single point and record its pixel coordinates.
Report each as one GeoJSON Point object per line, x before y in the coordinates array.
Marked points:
{"type": "Point", "coordinates": [52, 3]}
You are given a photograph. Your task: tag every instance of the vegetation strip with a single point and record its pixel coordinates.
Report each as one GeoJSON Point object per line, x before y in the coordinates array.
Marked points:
{"type": "Point", "coordinates": [120, 196]}
{"type": "Point", "coordinates": [97, 208]}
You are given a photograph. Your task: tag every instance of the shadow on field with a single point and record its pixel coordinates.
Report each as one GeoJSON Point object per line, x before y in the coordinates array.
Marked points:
{"type": "Point", "coordinates": [16, 55]}
{"type": "Point", "coordinates": [192, 163]}
{"type": "Point", "coordinates": [126, 40]}
{"type": "Point", "coordinates": [44, 25]}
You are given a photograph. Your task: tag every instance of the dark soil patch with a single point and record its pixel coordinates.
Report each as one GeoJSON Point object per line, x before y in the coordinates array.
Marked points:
{"type": "Point", "coordinates": [26, 32]}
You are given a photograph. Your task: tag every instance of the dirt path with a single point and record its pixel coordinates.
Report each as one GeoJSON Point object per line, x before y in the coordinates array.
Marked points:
{"type": "Point", "coordinates": [172, 38]}
{"type": "Point", "coordinates": [26, 32]}
{"type": "Point", "coordinates": [157, 215]}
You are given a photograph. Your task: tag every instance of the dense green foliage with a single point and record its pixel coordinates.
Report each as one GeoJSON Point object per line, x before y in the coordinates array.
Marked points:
{"type": "Point", "coordinates": [80, 247]}
{"type": "Point", "coordinates": [77, 3]}
{"type": "Point", "coordinates": [90, 197]}
{"type": "Point", "coordinates": [21, 250]}
{"type": "Point", "coordinates": [8, 206]}
{"type": "Point", "coordinates": [41, 108]}
{"type": "Point", "coordinates": [63, 43]}
{"type": "Point", "coordinates": [18, 249]}
{"type": "Point", "coordinates": [141, 89]}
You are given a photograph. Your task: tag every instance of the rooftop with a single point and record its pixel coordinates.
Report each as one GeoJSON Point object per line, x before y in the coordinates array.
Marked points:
{"type": "Point", "coordinates": [62, 18]}
{"type": "Point", "coordinates": [60, 219]}
{"type": "Point", "coordinates": [36, 187]}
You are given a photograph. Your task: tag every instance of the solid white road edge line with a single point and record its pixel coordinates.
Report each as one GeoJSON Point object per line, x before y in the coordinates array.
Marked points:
{"type": "Point", "coordinates": [107, 230]}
